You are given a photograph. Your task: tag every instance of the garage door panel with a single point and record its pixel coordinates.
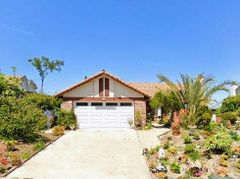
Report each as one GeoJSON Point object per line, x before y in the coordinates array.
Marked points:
{"type": "Point", "coordinates": [103, 125]}
{"type": "Point", "coordinates": [104, 116]}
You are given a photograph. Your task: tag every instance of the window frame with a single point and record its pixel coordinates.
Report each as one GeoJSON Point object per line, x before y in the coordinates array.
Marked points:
{"type": "Point", "coordinates": [84, 104]}
{"type": "Point", "coordinates": [96, 104]}
{"type": "Point", "coordinates": [113, 104]}
{"type": "Point", "coordinates": [125, 104]}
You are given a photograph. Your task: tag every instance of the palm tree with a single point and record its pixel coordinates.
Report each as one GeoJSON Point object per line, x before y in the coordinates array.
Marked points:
{"type": "Point", "coordinates": [194, 93]}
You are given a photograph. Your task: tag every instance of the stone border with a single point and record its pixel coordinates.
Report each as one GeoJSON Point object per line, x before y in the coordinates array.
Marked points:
{"type": "Point", "coordinates": [34, 154]}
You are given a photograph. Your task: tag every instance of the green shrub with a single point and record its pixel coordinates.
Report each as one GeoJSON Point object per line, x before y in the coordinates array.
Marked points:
{"type": "Point", "coordinates": [194, 155]}
{"type": "Point", "coordinates": [204, 117]}
{"type": "Point", "coordinates": [154, 150]}
{"type": "Point", "coordinates": [175, 167]}
{"type": "Point", "coordinates": [66, 119]}
{"type": "Point", "coordinates": [189, 148]}
{"type": "Point", "coordinates": [192, 152]}
{"type": "Point", "coordinates": [151, 151]}
{"type": "Point", "coordinates": [20, 120]}
{"type": "Point", "coordinates": [10, 86]}
{"type": "Point", "coordinates": [39, 146]}
{"type": "Point", "coordinates": [138, 119]}
{"type": "Point", "coordinates": [196, 136]}
{"type": "Point", "coordinates": [148, 126]}
{"type": "Point", "coordinates": [237, 164]}
{"type": "Point", "coordinates": [2, 169]}
{"type": "Point", "coordinates": [157, 148]}
{"type": "Point", "coordinates": [234, 135]}
{"type": "Point", "coordinates": [187, 140]}
{"type": "Point", "coordinates": [166, 144]}
{"type": "Point", "coordinates": [230, 104]}
{"type": "Point", "coordinates": [172, 150]}
{"type": "Point", "coordinates": [42, 101]}
{"type": "Point", "coordinates": [220, 142]}
{"type": "Point", "coordinates": [25, 155]}
{"type": "Point", "coordinates": [164, 162]}
{"type": "Point", "coordinates": [228, 116]}
{"type": "Point", "coordinates": [10, 144]}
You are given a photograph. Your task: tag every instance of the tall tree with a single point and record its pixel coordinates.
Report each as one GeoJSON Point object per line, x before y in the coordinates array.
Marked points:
{"type": "Point", "coordinates": [194, 93]}
{"type": "Point", "coordinates": [44, 65]}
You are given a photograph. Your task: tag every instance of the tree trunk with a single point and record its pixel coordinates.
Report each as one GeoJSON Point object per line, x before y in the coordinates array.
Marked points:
{"type": "Point", "coordinates": [41, 90]}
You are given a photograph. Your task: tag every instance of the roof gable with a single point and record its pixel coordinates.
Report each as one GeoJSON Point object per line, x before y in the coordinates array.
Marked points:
{"type": "Point", "coordinates": [60, 94]}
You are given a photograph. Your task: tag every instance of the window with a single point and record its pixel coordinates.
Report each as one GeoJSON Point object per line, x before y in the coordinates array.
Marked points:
{"type": "Point", "coordinates": [96, 104]}
{"type": "Point", "coordinates": [106, 87]}
{"type": "Point", "coordinates": [101, 87]}
{"type": "Point", "coordinates": [111, 104]}
{"type": "Point", "coordinates": [126, 104]}
{"type": "Point", "coordinates": [81, 104]}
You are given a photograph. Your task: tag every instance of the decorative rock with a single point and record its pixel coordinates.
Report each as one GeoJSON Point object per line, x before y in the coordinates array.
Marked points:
{"type": "Point", "coordinates": [161, 168]}
{"type": "Point", "coordinates": [153, 170]}
{"type": "Point", "coordinates": [161, 153]}
{"type": "Point", "coordinates": [198, 164]}
{"type": "Point", "coordinates": [214, 118]}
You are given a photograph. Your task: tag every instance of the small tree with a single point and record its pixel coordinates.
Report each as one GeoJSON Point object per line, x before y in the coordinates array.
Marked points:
{"type": "Point", "coordinates": [14, 70]}
{"type": "Point", "coordinates": [44, 65]}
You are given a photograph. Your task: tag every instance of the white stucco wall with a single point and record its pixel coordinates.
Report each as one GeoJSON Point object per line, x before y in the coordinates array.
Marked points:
{"type": "Point", "coordinates": [91, 89]}
{"type": "Point", "coordinates": [233, 90]}
{"type": "Point", "coordinates": [123, 91]}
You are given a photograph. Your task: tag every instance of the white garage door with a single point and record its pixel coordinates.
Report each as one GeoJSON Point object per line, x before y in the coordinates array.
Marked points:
{"type": "Point", "coordinates": [104, 115]}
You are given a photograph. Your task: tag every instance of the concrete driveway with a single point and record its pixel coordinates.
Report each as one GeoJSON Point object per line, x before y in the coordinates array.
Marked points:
{"type": "Point", "coordinates": [89, 154]}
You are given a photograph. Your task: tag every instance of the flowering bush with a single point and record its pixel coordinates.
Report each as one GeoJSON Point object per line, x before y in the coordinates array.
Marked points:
{"type": "Point", "coordinates": [58, 130]}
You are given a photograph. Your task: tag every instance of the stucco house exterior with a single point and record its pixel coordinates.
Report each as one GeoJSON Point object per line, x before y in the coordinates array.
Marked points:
{"type": "Point", "coordinates": [234, 90]}
{"type": "Point", "coordinates": [105, 101]}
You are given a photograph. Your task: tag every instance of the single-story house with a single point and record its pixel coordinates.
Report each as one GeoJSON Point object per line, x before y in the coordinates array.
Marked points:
{"type": "Point", "coordinates": [105, 101]}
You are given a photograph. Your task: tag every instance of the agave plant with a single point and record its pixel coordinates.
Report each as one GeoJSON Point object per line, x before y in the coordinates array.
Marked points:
{"type": "Point", "coordinates": [194, 93]}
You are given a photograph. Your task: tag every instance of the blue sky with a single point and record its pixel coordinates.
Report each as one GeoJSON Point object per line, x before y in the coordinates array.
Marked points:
{"type": "Point", "coordinates": [133, 39]}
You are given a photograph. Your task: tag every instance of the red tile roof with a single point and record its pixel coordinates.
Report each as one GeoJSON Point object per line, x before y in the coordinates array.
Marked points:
{"type": "Point", "coordinates": [149, 88]}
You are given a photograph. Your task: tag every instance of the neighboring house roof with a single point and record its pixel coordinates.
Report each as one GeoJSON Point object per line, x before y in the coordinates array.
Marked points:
{"type": "Point", "coordinates": [23, 79]}
{"type": "Point", "coordinates": [149, 88]}
{"type": "Point", "coordinates": [33, 84]}
{"type": "Point", "coordinates": [60, 94]}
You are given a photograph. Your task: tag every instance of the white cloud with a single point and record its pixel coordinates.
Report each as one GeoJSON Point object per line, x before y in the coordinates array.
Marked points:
{"type": "Point", "coordinates": [17, 30]}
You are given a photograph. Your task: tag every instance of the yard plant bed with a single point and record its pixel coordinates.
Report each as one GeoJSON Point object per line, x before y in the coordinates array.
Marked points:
{"type": "Point", "coordinates": [196, 156]}
{"type": "Point", "coordinates": [14, 153]}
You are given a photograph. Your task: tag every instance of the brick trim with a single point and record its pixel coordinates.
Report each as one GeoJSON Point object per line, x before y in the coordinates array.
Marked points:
{"type": "Point", "coordinates": [104, 98]}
